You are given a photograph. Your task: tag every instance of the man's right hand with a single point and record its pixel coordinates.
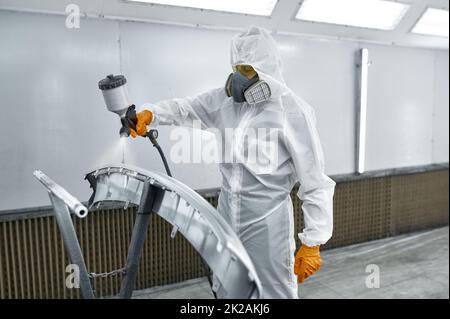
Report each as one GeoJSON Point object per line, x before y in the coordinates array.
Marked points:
{"type": "Point", "coordinates": [144, 118]}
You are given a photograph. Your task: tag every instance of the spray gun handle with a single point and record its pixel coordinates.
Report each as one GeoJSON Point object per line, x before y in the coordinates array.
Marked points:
{"type": "Point", "coordinates": [129, 121]}
{"type": "Point", "coordinates": [131, 116]}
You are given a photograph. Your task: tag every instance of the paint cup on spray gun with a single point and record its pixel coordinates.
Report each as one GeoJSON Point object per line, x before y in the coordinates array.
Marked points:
{"type": "Point", "coordinates": [115, 94]}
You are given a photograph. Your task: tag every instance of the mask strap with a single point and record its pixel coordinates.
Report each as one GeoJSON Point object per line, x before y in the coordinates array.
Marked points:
{"type": "Point", "coordinates": [228, 85]}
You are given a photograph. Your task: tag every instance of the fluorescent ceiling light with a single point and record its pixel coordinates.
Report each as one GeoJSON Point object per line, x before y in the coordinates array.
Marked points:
{"type": "Point", "coordinates": [256, 7]}
{"type": "Point", "coordinates": [433, 22]}
{"type": "Point", "coordinates": [375, 14]}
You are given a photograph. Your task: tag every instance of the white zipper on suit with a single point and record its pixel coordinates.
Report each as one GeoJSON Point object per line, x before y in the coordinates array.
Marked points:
{"type": "Point", "coordinates": [237, 171]}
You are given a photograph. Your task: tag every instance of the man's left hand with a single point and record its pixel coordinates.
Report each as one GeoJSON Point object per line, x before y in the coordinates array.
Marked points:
{"type": "Point", "coordinates": [307, 262]}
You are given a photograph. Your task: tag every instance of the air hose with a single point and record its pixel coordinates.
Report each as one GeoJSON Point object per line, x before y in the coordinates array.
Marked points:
{"type": "Point", "coordinates": [153, 135]}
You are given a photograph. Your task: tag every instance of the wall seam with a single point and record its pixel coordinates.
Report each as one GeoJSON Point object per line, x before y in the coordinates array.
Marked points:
{"type": "Point", "coordinates": [433, 110]}
{"type": "Point", "coordinates": [119, 42]}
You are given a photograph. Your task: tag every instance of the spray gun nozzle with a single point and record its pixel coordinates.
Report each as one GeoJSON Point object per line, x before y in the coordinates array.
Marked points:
{"type": "Point", "coordinates": [124, 131]}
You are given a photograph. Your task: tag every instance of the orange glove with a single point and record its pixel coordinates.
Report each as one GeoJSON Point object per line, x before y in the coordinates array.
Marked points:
{"type": "Point", "coordinates": [307, 262]}
{"type": "Point", "coordinates": [144, 118]}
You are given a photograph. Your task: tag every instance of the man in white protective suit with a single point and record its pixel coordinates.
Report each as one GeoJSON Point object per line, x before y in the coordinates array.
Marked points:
{"type": "Point", "coordinates": [255, 195]}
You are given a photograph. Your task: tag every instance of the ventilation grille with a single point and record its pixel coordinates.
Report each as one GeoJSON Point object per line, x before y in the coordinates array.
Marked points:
{"type": "Point", "coordinates": [33, 260]}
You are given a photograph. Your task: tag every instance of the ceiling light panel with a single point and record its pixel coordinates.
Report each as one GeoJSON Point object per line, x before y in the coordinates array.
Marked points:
{"type": "Point", "coordinates": [254, 7]}
{"type": "Point", "coordinates": [433, 22]}
{"type": "Point", "coordinates": [375, 14]}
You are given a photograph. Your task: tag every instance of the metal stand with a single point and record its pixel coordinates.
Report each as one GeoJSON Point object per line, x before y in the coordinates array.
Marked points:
{"type": "Point", "coordinates": [63, 204]}
{"type": "Point", "coordinates": [137, 240]}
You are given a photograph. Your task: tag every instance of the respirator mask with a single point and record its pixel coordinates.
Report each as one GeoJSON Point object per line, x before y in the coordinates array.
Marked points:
{"type": "Point", "coordinates": [243, 89]}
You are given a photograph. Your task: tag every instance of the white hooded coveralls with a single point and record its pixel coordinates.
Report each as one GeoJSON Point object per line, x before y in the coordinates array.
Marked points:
{"type": "Point", "coordinates": [254, 201]}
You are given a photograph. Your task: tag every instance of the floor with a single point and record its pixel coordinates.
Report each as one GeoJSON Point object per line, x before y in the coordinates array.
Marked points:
{"type": "Point", "coordinates": [409, 266]}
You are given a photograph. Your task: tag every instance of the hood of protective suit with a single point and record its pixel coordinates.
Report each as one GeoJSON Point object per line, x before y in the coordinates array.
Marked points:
{"type": "Point", "coordinates": [257, 48]}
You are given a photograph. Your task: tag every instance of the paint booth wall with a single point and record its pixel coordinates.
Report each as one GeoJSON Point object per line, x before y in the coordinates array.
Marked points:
{"type": "Point", "coordinates": [53, 117]}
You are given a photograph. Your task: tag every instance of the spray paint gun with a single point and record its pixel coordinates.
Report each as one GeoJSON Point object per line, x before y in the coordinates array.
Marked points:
{"type": "Point", "coordinates": [115, 93]}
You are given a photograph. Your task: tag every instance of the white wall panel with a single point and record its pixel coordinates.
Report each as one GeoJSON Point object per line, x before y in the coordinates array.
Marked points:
{"type": "Point", "coordinates": [400, 107]}
{"type": "Point", "coordinates": [163, 62]}
{"type": "Point", "coordinates": [323, 73]}
{"type": "Point", "coordinates": [53, 116]}
{"type": "Point", "coordinates": [440, 118]}
{"type": "Point", "coordinates": [51, 111]}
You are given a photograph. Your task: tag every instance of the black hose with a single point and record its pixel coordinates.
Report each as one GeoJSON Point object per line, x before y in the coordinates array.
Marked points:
{"type": "Point", "coordinates": [152, 135]}
{"type": "Point", "coordinates": [160, 151]}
